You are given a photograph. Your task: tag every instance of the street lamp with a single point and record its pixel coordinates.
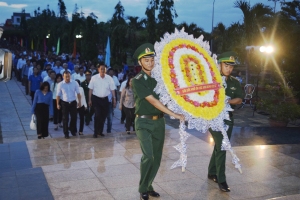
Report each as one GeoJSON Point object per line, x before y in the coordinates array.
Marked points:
{"type": "Point", "coordinates": [265, 50]}
{"type": "Point", "coordinates": [212, 26]}
{"type": "Point", "coordinates": [48, 36]}
{"type": "Point", "coordinates": [78, 36]}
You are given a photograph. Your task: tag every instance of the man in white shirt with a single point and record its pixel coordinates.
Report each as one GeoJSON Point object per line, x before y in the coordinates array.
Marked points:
{"type": "Point", "coordinates": [116, 81]}
{"type": "Point", "coordinates": [66, 91]}
{"type": "Point", "coordinates": [80, 76]}
{"type": "Point", "coordinates": [65, 68]}
{"type": "Point", "coordinates": [101, 85]}
{"type": "Point", "coordinates": [45, 72]}
{"type": "Point", "coordinates": [75, 72]}
{"type": "Point", "coordinates": [57, 68]}
{"type": "Point", "coordinates": [20, 64]}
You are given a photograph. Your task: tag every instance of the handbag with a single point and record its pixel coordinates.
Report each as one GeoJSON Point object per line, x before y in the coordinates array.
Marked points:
{"type": "Point", "coordinates": [33, 122]}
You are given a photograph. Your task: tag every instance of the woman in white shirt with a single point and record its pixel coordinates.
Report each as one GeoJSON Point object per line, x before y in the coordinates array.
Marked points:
{"type": "Point", "coordinates": [127, 101]}
{"type": "Point", "coordinates": [57, 117]}
{"type": "Point", "coordinates": [81, 110]}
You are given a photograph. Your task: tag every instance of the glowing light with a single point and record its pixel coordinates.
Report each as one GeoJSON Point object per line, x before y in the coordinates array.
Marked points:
{"type": "Point", "coordinates": [268, 49]}
{"type": "Point", "coordinates": [262, 146]}
{"type": "Point", "coordinates": [262, 49]}
{"type": "Point", "coordinates": [79, 36]}
{"type": "Point", "coordinates": [211, 139]}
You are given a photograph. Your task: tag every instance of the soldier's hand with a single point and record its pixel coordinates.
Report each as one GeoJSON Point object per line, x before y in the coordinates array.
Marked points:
{"type": "Point", "coordinates": [180, 117]}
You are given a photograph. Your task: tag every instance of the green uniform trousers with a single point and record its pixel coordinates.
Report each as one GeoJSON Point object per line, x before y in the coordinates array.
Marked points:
{"type": "Point", "coordinates": [88, 114]}
{"type": "Point", "coordinates": [218, 158]}
{"type": "Point", "coordinates": [151, 134]}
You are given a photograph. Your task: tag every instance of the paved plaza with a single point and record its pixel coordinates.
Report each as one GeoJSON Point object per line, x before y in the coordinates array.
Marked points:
{"type": "Point", "coordinates": [105, 168]}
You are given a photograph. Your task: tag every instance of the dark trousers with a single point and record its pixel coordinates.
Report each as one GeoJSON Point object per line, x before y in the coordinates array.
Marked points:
{"type": "Point", "coordinates": [218, 157]}
{"type": "Point", "coordinates": [130, 116]}
{"type": "Point", "coordinates": [123, 115]}
{"type": "Point", "coordinates": [19, 74]}
{"type": "Point", "coordinates": [88, 114]}
{"type": "Point", "coordinates": [69, 109]}
{"type": "Point", "coordinates": [151, 134]}
{"type": "Point", "coordinates": [42, 118]}
{"type": "Point", "coordinates": [101, 110]}
{"type": "Point", "coordinates": [25, 83]}
{"type": "Point", "coordinates": [81, 112]}
{"type": "Point", "coordinates": [32, 95]}
{"type": "Point", "coordinates": [109, 117]}
{"type": "Point", "coordinates": [57, 117]}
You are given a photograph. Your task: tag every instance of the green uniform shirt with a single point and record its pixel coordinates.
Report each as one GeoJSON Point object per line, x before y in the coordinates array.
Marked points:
{"type": "Point", "coordinates": [234, 89]}
{"type": "Point", "coordinates": [143, 86]}
{"type": "Point", "coordinates": [86, 89]}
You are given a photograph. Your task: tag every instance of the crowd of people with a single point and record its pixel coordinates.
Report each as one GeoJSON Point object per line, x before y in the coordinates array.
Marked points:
{"type": "Point", "coordinates": [69, 87]}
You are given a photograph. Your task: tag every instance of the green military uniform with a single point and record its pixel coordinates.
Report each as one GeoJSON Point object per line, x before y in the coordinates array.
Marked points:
{"type": "Point", "coordinates": [90, 111]}
{"type": "Point", "coordinates": [218, 158]}
{"type": "Point", "coordinates": [149, 124]}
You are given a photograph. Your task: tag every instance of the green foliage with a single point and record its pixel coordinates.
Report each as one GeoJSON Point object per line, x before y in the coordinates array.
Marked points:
{"type": "Point", "coordinates": [151, 20]}
{"type": "Point", "coordinates": [166, 15]}
{"type": "Point", "coordinates": [118, 39]}
{"type": "Point", "coordinates": [280, 101]}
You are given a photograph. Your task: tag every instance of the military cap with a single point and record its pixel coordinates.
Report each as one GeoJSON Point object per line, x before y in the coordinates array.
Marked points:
{"type": "Point", "coordinates": [144, 51]}
{"type": "Point", "coordinates": [87, 72]}
{"type": "Point", "coordinates": [227, 58]}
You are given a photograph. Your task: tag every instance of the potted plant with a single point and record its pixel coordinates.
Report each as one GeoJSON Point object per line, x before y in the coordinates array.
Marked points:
{"type": "Point", "coordinates": [280, 103]}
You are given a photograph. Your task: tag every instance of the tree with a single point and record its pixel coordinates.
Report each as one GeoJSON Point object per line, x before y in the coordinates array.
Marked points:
{"type": "Point", "coordinates": [151, 20]}
{"type": "Point", "coordinates": [166, 15]}
{"type": "Point", "coordinates": [255, 18]}
{"type": "Point", "coordinates": [118, 40]}
{"type": "Point", "coordinates": [193, 29]}
{"type": "Point", "coordinates": [62, 9]}
{"type": "Point", "coordinates": [90, 39]}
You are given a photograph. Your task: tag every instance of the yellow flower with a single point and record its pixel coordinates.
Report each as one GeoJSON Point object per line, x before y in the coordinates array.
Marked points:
{"type": "Point", "coordinates": [207, 113]}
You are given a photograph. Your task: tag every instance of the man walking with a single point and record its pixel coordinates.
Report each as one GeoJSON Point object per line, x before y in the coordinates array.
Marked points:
{"type": "Point", "coordinates": [67, 90]}
{"type": "Point", "coordinates": [149, 121]}
{"type": "Point", "coordinates": [85, 85]}
{"type": "Point", "coordinates": [25, 71]}
{"type": "Point", "coordinates": [101, 85]}
{"type": "Point", "coordinates": [216, 168]}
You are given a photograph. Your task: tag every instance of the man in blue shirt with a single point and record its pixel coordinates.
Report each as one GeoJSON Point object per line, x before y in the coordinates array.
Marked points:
{"type": "Point", "coordinates": [71, 64]}
{"type": "Point", "coordinates": [25, 71]}
{"type": "Point", "coordinates": [66, 91]}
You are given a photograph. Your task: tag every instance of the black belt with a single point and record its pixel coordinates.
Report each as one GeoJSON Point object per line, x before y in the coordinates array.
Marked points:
{"type": "Point", "coordinates": [230, 113]}
{"type": "Point", "coordinates": [153, 117]}
{"type": "Point", "coordinates": [100, 97]}
{"type": "Point", "coordinates": [69, 102]}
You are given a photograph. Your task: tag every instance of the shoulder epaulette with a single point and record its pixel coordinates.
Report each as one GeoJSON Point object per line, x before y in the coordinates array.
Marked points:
{"type": "Point", "coordinates": [139, 76]}
{"type": "Point", "coordinates": [234, 78]}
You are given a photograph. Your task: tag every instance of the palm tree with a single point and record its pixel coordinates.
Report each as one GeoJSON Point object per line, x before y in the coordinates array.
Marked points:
{"type": "Point", "coordinates": [192, 28]}
{"type": "Point", "coordinates": [254, 19]}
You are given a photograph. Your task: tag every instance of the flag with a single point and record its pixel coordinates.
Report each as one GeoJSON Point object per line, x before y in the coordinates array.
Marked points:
{"type": "Point", "coordinates": [21, 42]}
{"type": "Point", "coordinates": [31, 44]}
{"type": "Point", "coordinates": [58, 46]}
{"type": "Point", "coordinates": [74, 49]}
{"type": "Point", "coordinates": [107, 55]}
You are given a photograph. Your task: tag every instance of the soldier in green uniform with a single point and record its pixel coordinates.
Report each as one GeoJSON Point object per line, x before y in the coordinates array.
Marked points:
{"type": "Point", "coordinates": [149, 121]}
{"type": "Point", "coordinates": [90, 111]}
{"type": "Point", "coordinates": [216, 168]}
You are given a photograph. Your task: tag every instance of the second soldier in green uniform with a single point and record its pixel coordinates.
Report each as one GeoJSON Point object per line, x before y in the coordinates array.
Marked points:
{"type": "Point", "coordinates": [149, 121]}
{"type": "Point", "coordinates": [216, 168]}
{"type": "Point", "coordinates": [90, 110]}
